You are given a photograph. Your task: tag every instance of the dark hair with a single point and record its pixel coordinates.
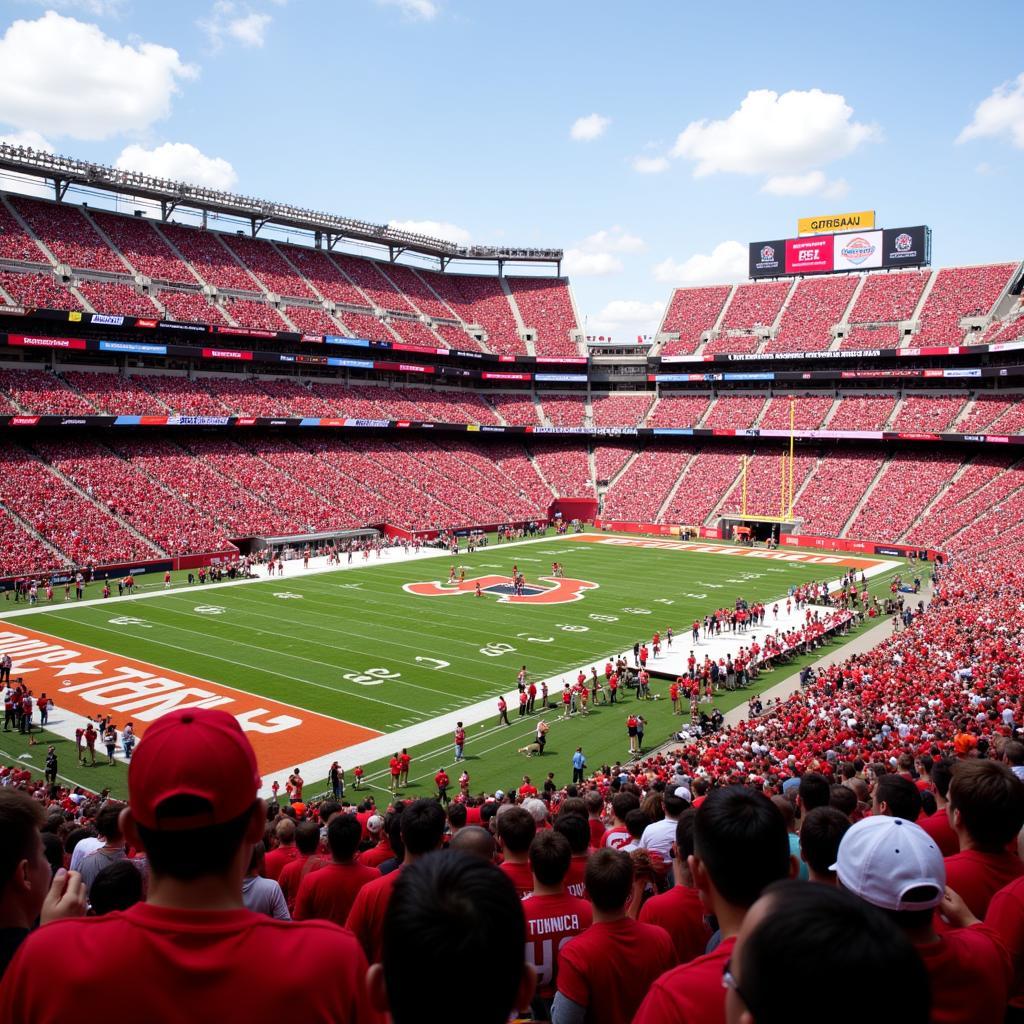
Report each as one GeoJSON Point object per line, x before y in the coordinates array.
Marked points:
{"type": "Point", "coordinates": [684, 833]}
{"type": "Point", "coordinates": [623, 803]}
{"type": "Point", "coordinates": [107, 821]}
{"type": "Point", "coordinates": [516, 829]}
{"type": "Point", "coordinates": [820, 835]}
{"type": "Point", "coordinates": [843, 799]}
{"type": "Point", "coordinates": [576, 830]}
{"type": "Point", "coordinates": [636, 822]}
{"type": "Point", "coordinates": [453, 908]}
{"type": "Point", "coordinates": [75, 836]}
{"type": "Point", "coordinates": [117, 887]}
{"type": "Point", "coordinates": [900, 796]}
{"type": "Point", "coordinates": [343, 835]}
{"type": "Point", "coordinates": [594, 801]}
{"type": "Point", "coordinates": [423, 824]}
{"type": "Point", "coordinates": [328, 809]}
{"type": "Point", "coordinates": [990, 799]}
{"type": "Point", "coordinates": [1013, 752]}
{"type": "Point", "coordinates": [843, 937]}
{"type": "Point", "coordinates": [573, 805]}
{"type": "Point", "coordinates": [786, 809]}
{"type": "Point", "coordinates": [188, 854]}
{"type": "Point", "coordinates": [674, 805]}
{"type": "Point", "coordinates": [942, 775]}
{"type": "Point", "coordinates": [307, 837]}
{"type": "Point", "coordinates": [20, 821]}
{"type": "Point", "coordinates": [741, 839]}
{"type": "Point", "coordinates": [609, 878]}
{"type": "Point", "coordinates": [550, 855]}
{"type": "Point", "coordinates": [53, 851]}
{"type": "Point", "coordinates": [457, 815]}
{"type": "Point", "coordinates": [813, 791]}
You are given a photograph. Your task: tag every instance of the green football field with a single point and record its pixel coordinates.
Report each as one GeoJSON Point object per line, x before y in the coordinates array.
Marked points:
{"type": "Point", "coordinates": [355, 646]}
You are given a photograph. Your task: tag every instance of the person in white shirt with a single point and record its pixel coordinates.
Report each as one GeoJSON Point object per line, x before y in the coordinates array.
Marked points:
{"type": "Point", "coordinates": [660, 835]}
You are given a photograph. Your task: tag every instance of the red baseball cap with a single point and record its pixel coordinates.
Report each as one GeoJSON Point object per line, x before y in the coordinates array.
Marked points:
{"type": "Point", "coordinates": [193, 752]}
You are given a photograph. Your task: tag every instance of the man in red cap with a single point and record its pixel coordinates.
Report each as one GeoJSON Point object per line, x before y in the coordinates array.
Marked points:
{"type": "Point", "coordinates": [192, 951]}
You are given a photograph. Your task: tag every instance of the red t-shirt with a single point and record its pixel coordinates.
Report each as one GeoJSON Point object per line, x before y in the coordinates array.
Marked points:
{"type": "Point", "coordinates": [151, 956]}
{"type": "Point", "coordinates": [396, 766]}
{"type": "Point", "coordinates": [610, 966]}
{"type": "Point", "coordinates": [575, 878]}
{"type": "Point", "coordinates": [366, 918]}
{"type": "Point", "coordinates": [977, 876]}
{"type": "Point", "coordinates": [970, 974]}
{"type": "Point", "coordinates": [521, 875]}
{"type": "Point", "coordinates": [551, 921]}
{"type": "Point", "coordinates": [690, 994]}
{"type": "Point", "coordinates": [1005, 917]}
{"type": "Point", "coordinates": [330, 892]}
{"type": "Point", "coordinates": [616, 837]}
{"type": "Point", "coordinates": [681, 913]}
{"type": "Point", "coordinates": [276, 860]}
{"type": "Point", "coordinates": [376, 855]}
{"type": "Point", "coordinates": [938, 827]}
{"type": "Point", "coordinates": [293, 873]}
{"type": "Point", "coordinates": [596, 832]}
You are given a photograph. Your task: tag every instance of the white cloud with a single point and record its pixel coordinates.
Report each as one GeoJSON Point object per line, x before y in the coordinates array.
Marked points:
{"type": "Point", "coordinates": [985, 169]}
{"type": "Point", "coordinates": [579, 263]}
{"type": "Point", "coordinates": [433, 228]}
{"type": "Point", "coordinates": [1000, 114]}
{"type": "Point", "coordinates": [650, 164]}
{"type": "Point", "coordinates": [726, 262]}
{"type": "Point", "coordinates": [179, 161]}
{"type": "Point", "coordinates": [773, 134]}
{"type": "Point", "coordinates": [614, 239]}
{"type": "Point", "coordinates": [809, 184]}
{"type": "Point", "coordinates": [59, 76]}
{"type": "Point", "coordinates": [28, 139]}
{"type": "Point", "coordinates": [626, 317]}
{"type": "Point", "coordinates": [413, 10]}
{"type": "Point", "coordinates": [229, 20]}
{"type": "Point", "coordinates": [586, 129]}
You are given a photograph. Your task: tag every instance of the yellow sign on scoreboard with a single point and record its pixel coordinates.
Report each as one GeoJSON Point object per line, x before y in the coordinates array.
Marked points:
{"type": "Point", "coordinates": [836, 222]}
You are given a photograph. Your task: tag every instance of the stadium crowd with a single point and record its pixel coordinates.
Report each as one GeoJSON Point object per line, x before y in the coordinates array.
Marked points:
{"type": "Point", "coordinates": [865, 827]}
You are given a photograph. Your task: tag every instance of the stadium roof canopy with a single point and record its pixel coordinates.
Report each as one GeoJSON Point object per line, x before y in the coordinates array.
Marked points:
{"type": "Point", "coordinates": [327, 228]}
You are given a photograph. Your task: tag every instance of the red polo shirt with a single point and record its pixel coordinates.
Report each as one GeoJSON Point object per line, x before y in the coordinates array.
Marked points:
{"type": "Point", "coordinates": [330, 892]}
{"type": "Point", "coordinates": [690, 994]}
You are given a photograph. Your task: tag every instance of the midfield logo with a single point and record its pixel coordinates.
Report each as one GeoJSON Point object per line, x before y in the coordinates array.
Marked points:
{"type": "Point", "coordinates": [560, 591]}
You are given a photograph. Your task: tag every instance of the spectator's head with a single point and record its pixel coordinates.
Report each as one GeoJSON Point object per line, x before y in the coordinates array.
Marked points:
{"type": "Point", "coordinates": [537, 809]}
{"type": "Point", "coordinates": [193, 798]}
{"type": "Point", "coordinates": [117, 887]}
{"type": "Point", "coordinates": [422, 827]}
{"type": "Point", "coordinates": [452, 908]}
{"type": "Point", "coordinates": [550, 855]}
{"type": "Point", "coordinates": [343, 835]}
{"type": "Point", "coordinates": [843, 799]}
{"type": "Point", "coordinates": [897, 797]}
{"type": "Point", "coordinates": [594, 802]}
{"type": "Point", "coordinates": [822, 831]}
{"type": "Point", "coordinates": [740, 846]}
{"type": "Point", "coordinates": [1013, 753]}
{"type": "Point", "coordinates": [24, 869]}
{"type": "Point", "coordinates": [682, 849]}
{"type": "Point", "coordinates": [457, 815]}
{"type": "Point", "coordinates": [813, 791]}
{"type": "Point", "coordinates": [108, 823]}
{"type": "Point", "coordinates": [623, 803]}
{"type": "Point", "coordinates": [674, 805]}
{"type": "Point", "coordinates": [307, 837]}
{"type": "Point", "coordinates": [516, 829]}
{"type": "Point", "coordinates": [609, 880]}
{"type": "Point", "coordinates": [787, 810]}
{"type": "Point", "coordinates": [986, 804]}
{"type": "Point", "coordinates": [474, 840]}
{"type": "Point", "coordinates": [575, 828]}
{"type": "Point", "coordinates": [794, 923]}
{"type": "Point", "coordinates": [284, 830]}
{"type": "Point", "coordinates": [895, 866]}
{"type": "Point", "coordinates": [636, 822]}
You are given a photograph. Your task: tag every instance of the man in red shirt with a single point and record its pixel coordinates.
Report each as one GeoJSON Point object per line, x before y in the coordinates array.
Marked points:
{"type": "Point", "coordinates": [986, 810]}
{"type": "Point", "coordinates": [395, 767]}
{"type": "Point", "coordinates": [575, 830]}
{"type": "Point", "coordinates": [330, 892]}
{"type": "Point", "coordinates": [442, 781]}
{"type": "Point", "coordinates": [527, 789]}
{"type": "Point", "coordinates": [937, 825]}
{"type": "Point", "coordinates": [595, 809]}
{"type": "Point", "coordinates": [376, 855]}
{"type": "Point", "coordinates": [740, 847]}
{"type": "Point", "coordinates": [284, 853]}
{"type": "Point", "coordinates": [894, 865]}
{"type": "Point", "coordinates": [603, 973]}
{"type": "Point", "coordinates": [553, 917]}
{"type": "Point", "coordinates": [516, 829]}
{"type": "Point", "coordinates": [422, 827]}
{"type": "Point", "coordinates": [307, 860]}
{"type": "Point", "coordinates": [618, 835]}
{"type": "Point", "coordinates": [405, 760]}
{"type": "Point", "coordinates": [1006, 918]}
{"type": "Point", "coordinates": [679, 910]}
{"type": "Point", "coordinates": [194, 809]}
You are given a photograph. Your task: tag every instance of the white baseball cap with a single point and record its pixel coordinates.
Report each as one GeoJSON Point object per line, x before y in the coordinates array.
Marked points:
{"type": "Point", "coordinates": [684, 794]}
{"type": "Point", "coordinates": [374, 823]}
{"type": "Point", "coordinates": [881, 859]}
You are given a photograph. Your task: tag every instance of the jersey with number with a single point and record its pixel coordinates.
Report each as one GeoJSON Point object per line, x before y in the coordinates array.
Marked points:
{"type": "Point", "coordinates": [551, 921]}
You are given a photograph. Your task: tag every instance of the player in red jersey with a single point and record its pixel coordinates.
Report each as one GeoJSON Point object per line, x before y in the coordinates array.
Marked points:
{"type": "Point", "coordinates": [194, 809]}
{"type": "Point", "coordinates": [406, 761]}
{"type": "Point", "coordinates": [395, 769]}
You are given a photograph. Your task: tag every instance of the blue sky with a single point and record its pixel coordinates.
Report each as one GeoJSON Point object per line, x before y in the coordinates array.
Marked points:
{"type": "Point", "coordinates": [652, 141]}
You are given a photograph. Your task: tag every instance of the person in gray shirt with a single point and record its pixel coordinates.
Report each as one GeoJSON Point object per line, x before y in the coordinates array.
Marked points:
{"type": "Point", "coordinates": [263, 895]}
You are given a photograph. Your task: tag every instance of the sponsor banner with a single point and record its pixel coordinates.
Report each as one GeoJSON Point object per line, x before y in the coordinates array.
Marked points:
{"type": "Point", "coordinates": [599, 431]}
{"type": "Point", "coordinates": [147, 324]}
{"type": "Point", "coordinates": [961, 373]}
{"type": "Point", "coordinates": [878, 374]}
{"type": "Point", "coordinates": [30, 341]}
{"type": "Point", "coordinates": [245, 421]}
{"type": "Point", "coordinates": [198, 421]}
{"type": "Point", "coordinates": [90, 681]}
{"type": "Point", "coordinates": [315, 339]}
{"type": "Point", "coordinates": [335, 339]}
{"type": "Point", "coordinates": [352, 364]}
{"type": "Point", "coordinates": [748, 376]}
{"type": "Point", "coordinates": [106, 319]}
{"type": "Point", "coordinates": [75, 316]}
{"type": "Point", "coordinates": [23, 421]}
{"type": "Point", "coordinates": [861, 251]}
{"type": "Point", "coordinates": [767, 259]}
{"type": "Point", "coordinates": [187, 327]}
{"type": "Point", "coordinates": [673, 431]}
{"type": "Point", "coordinates": [466, 355]}
{"type": "Point", "coordinates": [350, 422]}
{"type": "Point", "coordinates": [740, 357]}
{"type": "Point", "coordinates": [136, 347]}
{"type": "Point", "coordinates": [402, 367]}
{"type": "Point", "coordinates": [562, 378]}
{"type": "Point", "coordinates": [226, 353]}
{"type": "Point", "coordinates": [809, 255]}
{"type": "Point", "coordinates": [404, 346]}
{"type": "Point", "coordinates": [913, 436]}
{"type": "Point", "coordinates": [562, 360]}
{"type": "Point", "coordinates": [862, 220]}
{"type": "Point", "coordinates": [13, 310]}
{"type": "Point", "coordinates": [491, 375]}
{"type": "Point", "coordinates": [484, 429]}
{"type": "Point", "coordinates": [1005, 346]}
{"type": "Point", "coordinates": [246, 332]}
{"type": "Point", "coordinates": [906, 247]}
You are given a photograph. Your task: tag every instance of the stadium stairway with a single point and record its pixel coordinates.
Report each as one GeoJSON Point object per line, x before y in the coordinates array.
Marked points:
{"type": "Point", "coordinates": [25, 525]}
{"type": "Point", "coordinates": [867, 494]}
{"type": "Point", "coordinates": [848, 312]}
{"type": "Point", "coordinates": [937, 497]}
{"type": "Point", "coordinates": [965, 412]}
{"type": "Point", "coordinates": [710, 517]}
{"type": "Point", "coordinates": [107, 240]}
{"type": "Point", "coordinates": [667, 503]}
{"type": "Point", "coordinates": [833, 409]}
{"type": "Point", "coordinates": [181, 256]}
{"type": "Point", "coordinates": [1013, 498]}
{"type": "Point", "coordinates": [915, 317]}
{"type": "Point", "coordinates": [27, 228]}
{"type": "Point", "coordinates": [540, 473]}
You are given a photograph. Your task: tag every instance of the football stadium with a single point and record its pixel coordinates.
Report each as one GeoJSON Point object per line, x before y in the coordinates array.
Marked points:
{"type": "Point", "coordinates": [402, 606]}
